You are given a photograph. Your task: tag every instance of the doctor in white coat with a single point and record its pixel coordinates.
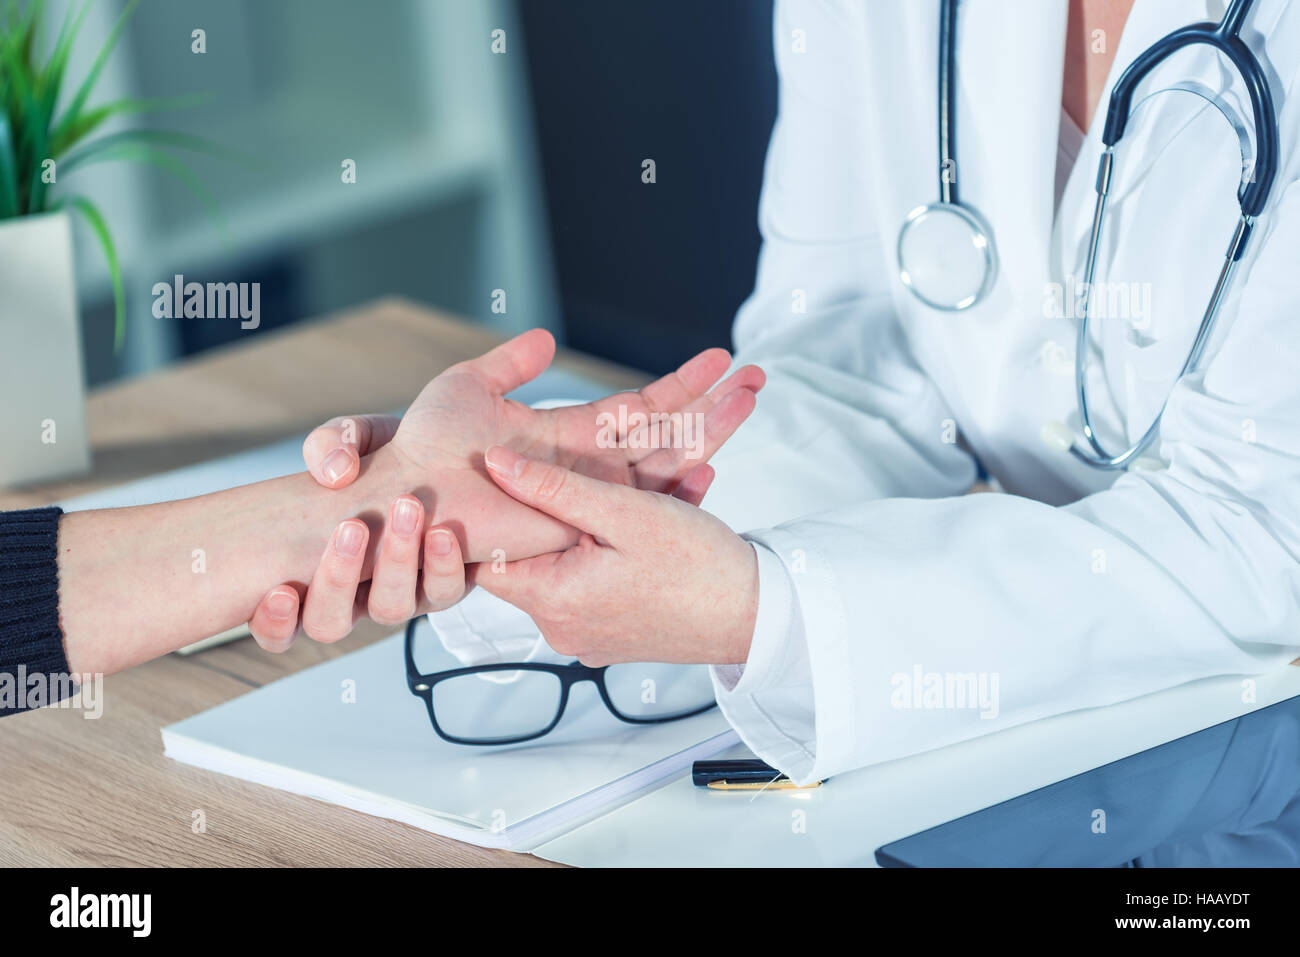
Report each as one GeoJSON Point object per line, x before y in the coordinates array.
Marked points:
{"type": "Point", "coordinates": [864, 578]}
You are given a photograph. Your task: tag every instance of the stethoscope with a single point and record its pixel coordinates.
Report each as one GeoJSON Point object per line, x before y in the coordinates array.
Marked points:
{"type": "Point", "coordinates": [946, 253]}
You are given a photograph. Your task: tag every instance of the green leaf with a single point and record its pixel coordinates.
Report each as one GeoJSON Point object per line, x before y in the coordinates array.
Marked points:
{"type": "Point", "coordinates": [72, 130]}
{"type": "Point", "coordinates": [36, 154]}
{"type": "Point", "coordinates": [50, 81]}
{"type": "Point", "coordinates": [15, 67]}
{"type": "Point", "coordinates": [24, 31]}
{"type": "Point", "coordinates": [99, 227]}
{"type": "Point", "coordinates": [83, 92]}
{"type": "Point", "coordinates": [144, 137]}
{"type": "Point", "coordinates": [26, 126]}
{"type": "Point", "coordinates": [164, 161]}
{"type": "Point", "coordinates": [8, 172]}
{"type": "Point", "coordinates": [34, 130]}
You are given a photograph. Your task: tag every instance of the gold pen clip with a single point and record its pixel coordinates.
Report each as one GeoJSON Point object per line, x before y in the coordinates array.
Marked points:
{"type": "Point", "coordinates": [783, 784]}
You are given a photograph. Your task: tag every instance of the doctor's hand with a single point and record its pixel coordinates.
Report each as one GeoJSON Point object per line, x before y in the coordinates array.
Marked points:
{"type": "Point", "coordinates": [653, 577]}
{"type": "Point", "coordinates": [443, 434]}
{"type": "Point", "coordinates": [416, 571]}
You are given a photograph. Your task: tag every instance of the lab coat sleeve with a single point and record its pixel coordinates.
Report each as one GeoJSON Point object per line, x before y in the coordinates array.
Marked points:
{"type": "Point", "coordinates": [930, 622]}
{"type": "Point", "coordinates": [770, 697]}
{"type": "Point", "coordinates": [847, 413]}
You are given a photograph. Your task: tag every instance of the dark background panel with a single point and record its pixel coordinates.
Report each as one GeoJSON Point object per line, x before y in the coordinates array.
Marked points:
{"type": "Point", "coordinates": [649, 274]}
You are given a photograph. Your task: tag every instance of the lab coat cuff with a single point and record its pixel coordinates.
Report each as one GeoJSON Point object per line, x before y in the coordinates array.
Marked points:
{"type": "Point", "coordinates": [821, 716]}
{"type": "Point", "coordinates": [771, 628]}
{"type": "Point", "coordinates": [769, 700]}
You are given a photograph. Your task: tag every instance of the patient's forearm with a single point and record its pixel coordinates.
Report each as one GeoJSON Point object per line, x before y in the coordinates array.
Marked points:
{"type": "Point", "coordinates": [212, 558]}
{"type": "Point", "coordinates": [209, 558]}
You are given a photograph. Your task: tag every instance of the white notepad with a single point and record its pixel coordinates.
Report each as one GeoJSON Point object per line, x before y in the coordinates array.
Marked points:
{"type": "Point", "coordinates": [380, 755]}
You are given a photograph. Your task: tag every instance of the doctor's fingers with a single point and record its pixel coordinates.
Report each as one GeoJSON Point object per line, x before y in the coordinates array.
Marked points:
{"type": "Point", "coordinates": [606, 510]}
{"type": "Point", "coordinates": [400, 589]}
{"type": "Point", "coordinates": [568, 596]}
{"type": "Point", "coordinates": [392, 593]}
{"type": "Point", "coordinates": [549, 588]}
{"type": "Point", "coordinates": [557, 589]}
{"type": "Point", "coordinates": [333, 450]}
{"type": "Point", "coordinates": [274, 624]}
{"type": "Point", "coordinates": [330, 609]}
{"type": "Point", "coordinates": [693, 441]}
{"type": "Point", "coordinates": [442, 583]}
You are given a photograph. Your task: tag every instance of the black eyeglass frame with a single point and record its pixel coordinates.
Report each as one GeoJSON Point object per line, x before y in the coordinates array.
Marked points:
{"type": "Point", "coordinates": [573, 673]}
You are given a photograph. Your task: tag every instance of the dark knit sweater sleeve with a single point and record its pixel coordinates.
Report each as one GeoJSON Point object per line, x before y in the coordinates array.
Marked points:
{"type": "Point", "coordinates": [31, 641]}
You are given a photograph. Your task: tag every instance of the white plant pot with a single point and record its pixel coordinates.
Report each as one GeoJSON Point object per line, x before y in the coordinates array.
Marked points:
{"type": "Point", "coordinates": [42, 386]}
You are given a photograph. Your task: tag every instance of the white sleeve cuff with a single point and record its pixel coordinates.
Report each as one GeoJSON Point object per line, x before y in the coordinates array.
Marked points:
{"type": "Point", "coordinates": [769, 699]}
{"type": "Point", "coordinates": [776, 604]}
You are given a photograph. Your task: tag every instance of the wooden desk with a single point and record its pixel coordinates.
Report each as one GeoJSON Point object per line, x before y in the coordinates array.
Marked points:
{"type": "Point", "coordinates": [81, 792]}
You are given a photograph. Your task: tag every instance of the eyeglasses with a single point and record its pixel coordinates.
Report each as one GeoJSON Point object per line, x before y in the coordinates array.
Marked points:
{"type": "Point", "coordinates": [510, 702]}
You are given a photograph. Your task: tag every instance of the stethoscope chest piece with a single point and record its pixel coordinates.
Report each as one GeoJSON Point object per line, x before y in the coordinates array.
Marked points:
{"type": "Point", "coordinates": [946, 256]}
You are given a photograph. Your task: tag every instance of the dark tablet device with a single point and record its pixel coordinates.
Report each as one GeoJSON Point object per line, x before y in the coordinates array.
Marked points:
{"type": "Point", "coordinates": [1218, 797]}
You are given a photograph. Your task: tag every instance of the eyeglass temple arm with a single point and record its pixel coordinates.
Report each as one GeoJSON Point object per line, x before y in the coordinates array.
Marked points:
{"type": "Point", "coordinates": [413, 675]}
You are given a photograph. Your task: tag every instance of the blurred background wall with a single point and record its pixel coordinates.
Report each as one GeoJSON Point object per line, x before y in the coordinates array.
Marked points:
{"type": "Point", "coordinates": [649, 275]}
{"type": "Point", "coordinates": [475, 171]}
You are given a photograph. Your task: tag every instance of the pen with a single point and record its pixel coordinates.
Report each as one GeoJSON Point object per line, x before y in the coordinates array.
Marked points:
{"type": "Point", "coordinates": [747, 774]}
{"type": "Point", "coordinates": [780, 784]}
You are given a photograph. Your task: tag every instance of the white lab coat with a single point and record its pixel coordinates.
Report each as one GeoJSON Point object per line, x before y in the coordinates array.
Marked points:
{"type": "Point", "coordinates": [1074, 588]}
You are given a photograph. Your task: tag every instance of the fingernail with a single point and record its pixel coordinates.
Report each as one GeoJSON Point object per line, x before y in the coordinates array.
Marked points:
{"type": "Point", "coordinates": [440, 542]}
{"type": "Point", "coordinates": [281, 605]}
{"type": "Point", "coordinates": [336, 465]}
{"type": "Point", "coordinates": [406, 515]}
{"type": "Point", "coordinates": [350, 536]}
{"type": "Point", "coordinates": [508, 463]}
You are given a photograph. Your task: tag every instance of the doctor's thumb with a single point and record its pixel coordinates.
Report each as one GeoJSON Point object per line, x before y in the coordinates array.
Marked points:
{"type": "Point", "coordinates": [572, 498]}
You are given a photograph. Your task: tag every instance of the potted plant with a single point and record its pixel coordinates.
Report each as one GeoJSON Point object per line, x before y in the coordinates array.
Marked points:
{"type": "Point", "coordinates": [48, 130]}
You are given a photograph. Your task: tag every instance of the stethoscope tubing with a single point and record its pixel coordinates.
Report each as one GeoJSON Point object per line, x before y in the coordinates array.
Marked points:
{"type": "Point", "coordinates": [1252, 196]}
{"type": "Point", "coordinates": [947, 95]}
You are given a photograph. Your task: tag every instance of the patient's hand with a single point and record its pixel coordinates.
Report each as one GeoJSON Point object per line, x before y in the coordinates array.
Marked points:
{"type": "Point", "coordinates": [463, 412]}
{"type": "Point", "coordinates": [457, 513]}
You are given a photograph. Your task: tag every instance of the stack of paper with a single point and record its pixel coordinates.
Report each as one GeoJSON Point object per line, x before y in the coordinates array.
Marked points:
{"type": "Point", "coordinates": [350, 732]}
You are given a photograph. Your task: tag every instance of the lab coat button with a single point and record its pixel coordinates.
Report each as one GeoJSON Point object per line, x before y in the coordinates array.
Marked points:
{"type": "Point", "coordinates": [1055, 358]}
{"type": "Point", "coordinates": [1057, 435]}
